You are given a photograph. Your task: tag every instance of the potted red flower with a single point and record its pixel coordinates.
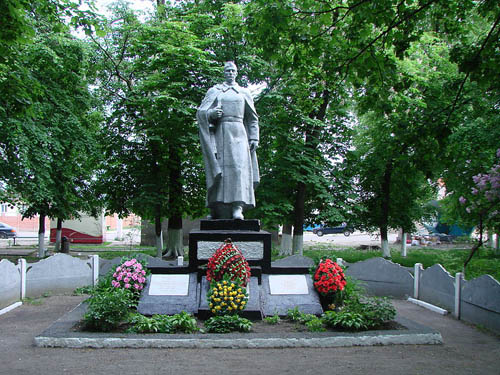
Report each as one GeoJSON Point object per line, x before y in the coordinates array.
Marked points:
{"type": "Point", "coordinates": [329, 279]}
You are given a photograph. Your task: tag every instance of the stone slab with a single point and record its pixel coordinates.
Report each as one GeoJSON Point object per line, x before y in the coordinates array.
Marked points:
{"type": "Point", "coordinates": [280, 304]}
{"type": "Point", "coordinates": [437, 287]}
{"type": "Point", "coordinates": [294, 264]}
{"type": "Point", "coordinates": [382, 277]}
{"type": "Point", "coordinates": [252, 310]}
{"type": "Point", "coordinates": [61, 334]}
{"type": "Point", "coordinates": [251, 250]}
{"type": "Point", "coordinates": [288, 284]}
{"type": "Point", "coordinates": [59, 273]}
{"type": "Point", "coordinates": [169, 285]}
{"type": "Point", "coordinates": [10, 283]}
{"type": "Point", "coordinates": [229, 224]}
{"type": "Point", "coordinates": [170, 304]}
{"type": "Point", "coordinates": [220, 236]}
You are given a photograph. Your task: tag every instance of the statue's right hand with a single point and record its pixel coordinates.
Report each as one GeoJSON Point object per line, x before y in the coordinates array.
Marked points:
{"type": "Point", "coordinates": [215, 113]}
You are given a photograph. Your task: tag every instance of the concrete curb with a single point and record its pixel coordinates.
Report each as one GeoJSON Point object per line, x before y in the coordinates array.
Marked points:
{"type": "Point", "coordinates": [62, 335]}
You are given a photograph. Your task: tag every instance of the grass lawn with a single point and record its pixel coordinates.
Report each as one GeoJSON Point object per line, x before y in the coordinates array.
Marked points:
{"type": "Point", "coordinates": [485, 261]}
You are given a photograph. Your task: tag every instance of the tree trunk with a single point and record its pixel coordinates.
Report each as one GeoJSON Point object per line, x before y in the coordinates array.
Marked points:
{"type": "Point", "coordinates": [58, 235]}
{"type": "Point", "coordinates": [159, 235]}
{"type": "Point", "coordinates": [286, 240]}
{"type": "Point", "coordinates": [174, 240]}
{"type": "Point", "coordinates": [311, 142]}
{"type": "Point", "coordinates": [385, 202]}
{"type": "Point", "coordinates": [119, 229]}
{"type": "Point", "coordinates": [41, 236]}
{"type": "Point", "coordinates": [403, 243]}
{"type": "Point", "coordinates": [175, 246]}
{"type": "Point", "coordinates": [298, 225]}
{"type": "Point", "coordinates": [476, 246]}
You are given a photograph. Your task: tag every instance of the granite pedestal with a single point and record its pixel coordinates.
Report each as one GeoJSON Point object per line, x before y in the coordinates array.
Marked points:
{"type": "Point", "coordinates": [172, 303]}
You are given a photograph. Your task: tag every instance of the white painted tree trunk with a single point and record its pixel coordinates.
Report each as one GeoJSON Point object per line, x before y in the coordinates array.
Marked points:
{"type": "Point", "coordinates": [174, 243]}
{"type": "Point", "coordinates": [119, 229]}
{"type": "Point", "coordinates": [497, 244]}
{"type": "Point", "coordinates": [403, 244]}
{"type": "Point", "coordinates": [159, 245]}
{"type": "Point", "coordinates": [41, 244]}
{"type": "Point", "coordinates": [58, 239]}
{"type": "Point", "coordinates": [298, 244]}
{"type": "Point", "coordinates": [286, 244]}
{"type": "Point", "coordinates": [385, 249]}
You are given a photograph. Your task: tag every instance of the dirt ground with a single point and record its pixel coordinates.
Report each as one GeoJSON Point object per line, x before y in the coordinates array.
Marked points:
{"type": "Point", "coordinates": [466, 350]}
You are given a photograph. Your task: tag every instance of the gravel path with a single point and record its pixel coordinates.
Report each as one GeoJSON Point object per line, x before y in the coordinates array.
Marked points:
{"type": "Point", "coordinates": [466, 350]}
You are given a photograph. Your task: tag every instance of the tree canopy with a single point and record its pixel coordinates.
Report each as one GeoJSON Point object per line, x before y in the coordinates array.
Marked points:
{"type": "Point", "coordinates": [363, 105]}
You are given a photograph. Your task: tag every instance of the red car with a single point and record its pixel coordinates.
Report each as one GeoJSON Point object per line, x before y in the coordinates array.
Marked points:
{"type": "Point", "coordinates": [6, 231]}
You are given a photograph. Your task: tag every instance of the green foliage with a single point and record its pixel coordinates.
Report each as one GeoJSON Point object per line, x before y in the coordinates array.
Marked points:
{"type": "Point", "coordinates": [294, 314]}
{"type": "Point", "coordinates": [155, 324]}
{"type": "Point", "coordinates": [315, 324]}
{"type": "Point", "coordinates": [107, 309]}
{"type": "Point", "coordinates": [297, 316]}
{"type": "Point", "coordinates": [360, 312]}
{"type": "Point", "coordinates": [227, 324]}
{"type": "Point", "coordinates": [345, 319]}
{"type": "Point", "coordinates": [273, 320]}
{"type": "Point", "coordinates": [182, 322]}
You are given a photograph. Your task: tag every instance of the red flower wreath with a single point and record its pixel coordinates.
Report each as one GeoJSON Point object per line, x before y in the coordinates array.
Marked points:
{"type": "Point", "coordinates": [228, 259]}
{"type": "Point", "coordinates": [329, 277]}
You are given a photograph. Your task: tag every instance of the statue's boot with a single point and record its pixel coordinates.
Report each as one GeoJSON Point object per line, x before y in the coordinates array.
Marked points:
{"type": "Point", "coordinates": [237, 212]}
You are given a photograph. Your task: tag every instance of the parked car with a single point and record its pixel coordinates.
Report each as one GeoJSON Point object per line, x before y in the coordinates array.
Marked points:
{"type": "Point", "coordinates": [6, 231]}
{"type": "Point", "coordinates": [344, 228]}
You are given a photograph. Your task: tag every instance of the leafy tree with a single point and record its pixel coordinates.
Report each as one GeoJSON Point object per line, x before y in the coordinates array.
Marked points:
{"type": "Point", "coordinates": [51, 154]}
{"type": "Point", "coordinates": [152, 80]}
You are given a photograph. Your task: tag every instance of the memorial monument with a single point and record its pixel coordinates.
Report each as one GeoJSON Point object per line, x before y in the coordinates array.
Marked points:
{"type": "Point", "coordinates": [229, 136]}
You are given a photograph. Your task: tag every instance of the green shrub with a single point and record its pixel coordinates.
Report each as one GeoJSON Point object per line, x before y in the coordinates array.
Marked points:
{"type": "Point", "coordinates": [227, 324]}
{"type": "Point", "coordinates": [182, 322]}
{"type": "Point", "coordinates": [344, 319]}
{"type": "Point", "coordinates": [273, 320]}
{"type": "Point", "coordinates": [315, 324]}
{"type": "Point", "coordinates": [375, 310]}
{"type": "Point", "coordinates": [155, 324]}
{"type": "Point", "coordinates": [107, 309]}
{"type": "Point", "coordinates": [361, 312]}
{"type": "Point", "coordinates": [294, 314]}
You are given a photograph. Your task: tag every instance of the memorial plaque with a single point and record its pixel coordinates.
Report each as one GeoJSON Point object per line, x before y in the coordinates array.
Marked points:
{"type": "Point", "coordinates": [169, 285]}
{"type": "Point", "coordinates": [288, 284]}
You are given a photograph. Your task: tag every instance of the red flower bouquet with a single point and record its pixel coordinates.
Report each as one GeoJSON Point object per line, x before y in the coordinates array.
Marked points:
{"type": "Point", "coordinates": [329, 277]}
{"type": "Point", "coordinates": [227, 259]}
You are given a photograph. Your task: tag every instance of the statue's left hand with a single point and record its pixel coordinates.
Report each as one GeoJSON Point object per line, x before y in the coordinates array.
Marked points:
{"type": "Point", "coordinates": [253, 145]}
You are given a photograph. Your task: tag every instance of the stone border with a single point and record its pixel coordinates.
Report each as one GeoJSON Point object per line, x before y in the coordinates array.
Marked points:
{"type": "Point", "coordinates": [60, 334]}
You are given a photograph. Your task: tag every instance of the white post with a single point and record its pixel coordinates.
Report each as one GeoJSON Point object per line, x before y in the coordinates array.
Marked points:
{"type": "Point", "coordinates": [95, 269]}
{"type": "Point", "coordinates": [403, 244]}
{"type": "Point", "coordinates": [416, 281]}
{"type": "Point", "coordinates": [119, 229]}
{"type": "Point", "coordinates": [458, 293]}
{"type": "Point", "coordinates": [22, 271]}
{"type": "Point", "coordinates": [340, 262]}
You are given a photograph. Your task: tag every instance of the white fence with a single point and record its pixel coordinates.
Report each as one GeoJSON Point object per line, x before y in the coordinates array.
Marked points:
{"type": "Point", "coordinates": [476, 300]}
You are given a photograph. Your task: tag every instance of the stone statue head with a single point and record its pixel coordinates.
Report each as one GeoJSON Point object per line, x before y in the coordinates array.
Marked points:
{"type": "Point", "coordinates": [230, 72]}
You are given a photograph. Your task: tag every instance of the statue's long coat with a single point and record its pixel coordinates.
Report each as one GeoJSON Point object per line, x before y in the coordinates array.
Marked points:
{"type": "Point", "coordinates": [212, 144]}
